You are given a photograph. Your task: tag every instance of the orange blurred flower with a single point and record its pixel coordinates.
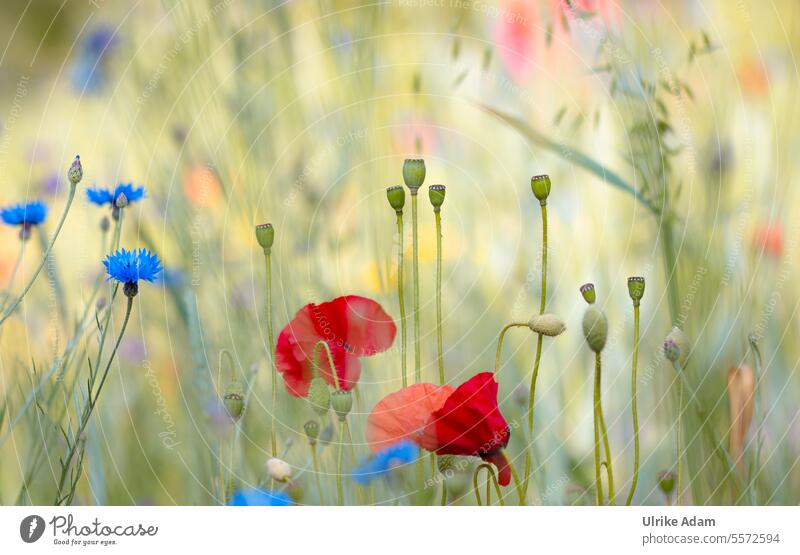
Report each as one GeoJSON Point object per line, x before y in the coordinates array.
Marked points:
{"type": "Point", "coordinates": [768, 238]}
{"type": "Point", "coordinates": [201, 186]}
{"type": "Point", "coordinates": [741, 387]}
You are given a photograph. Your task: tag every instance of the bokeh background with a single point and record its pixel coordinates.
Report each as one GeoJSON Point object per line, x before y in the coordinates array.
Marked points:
{"type": "Point", "coordinates": [300, 114]}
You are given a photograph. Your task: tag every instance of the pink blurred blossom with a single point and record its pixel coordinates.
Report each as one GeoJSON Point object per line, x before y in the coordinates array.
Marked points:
{"type": "Point", "coordinates": [515, 36]}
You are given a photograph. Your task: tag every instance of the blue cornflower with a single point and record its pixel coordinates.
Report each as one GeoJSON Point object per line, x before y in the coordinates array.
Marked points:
{"type": "Point", "coordinates": [260, 497]}
{"type": "Point", "coordinates": [128, 267]}
{"type": "Point", "coordinates": [26, 215]}
{"type": "Point", "coordinates": [385, 460]}
{"type": "Point", "coordinates": [100, 196]}
{"type": "Point", "coordinates": [89, 71]}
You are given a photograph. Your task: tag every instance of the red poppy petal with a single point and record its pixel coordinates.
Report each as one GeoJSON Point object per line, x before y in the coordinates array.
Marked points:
{"type": "Point", "coordinates": [469, 422]}
{"type": "Point", "coordinates": [403, 414]}
{"type": "Point", "coordinates": [294, 351]}
{"type": "Point", "coordinates": [503, 470]}
{"type": "Point", "coordinates": [362, 324]}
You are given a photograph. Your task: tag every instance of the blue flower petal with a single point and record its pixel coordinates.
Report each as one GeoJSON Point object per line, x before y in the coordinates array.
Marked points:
{"type": "Point", "coordinates": [382, 462]}
{"type": "Point", "coordinates": [107, 196]}
{"type": "Point", "coordinates": [127, 266]}
{"type": "Point", "coordinates": [27, 213]}
{"type": "Point", "coordinates": [259, 497]}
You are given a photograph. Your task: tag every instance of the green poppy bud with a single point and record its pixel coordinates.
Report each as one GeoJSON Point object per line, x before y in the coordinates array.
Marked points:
{"type": "Point", "coordinates": [445, 462]}
{"type": "Point", "coordinates": [666, 482]}
{"type": "Point", "coordinates": [676, 347]}
{"type": "Point", "coordinates": [540, 185]}
{"type": "Point", "coordinates": [233, 399]}
{"type": "Point", "coordinates": [342, 402]}
{"type": "Point", "coordinates": [595, 328]}
{"type": "Point", "coordinates": [436, 194]}
{"type": "Point", "coordinates": [414, 174]}
{"type": "Point", "coordinates": [397, 197]}
{"type": "Point", "coordinates": [312, 431]}
{"type": "Point", "coordinates": [547, 324]}
{"type": "Point", "coordinates": [75, 172]}
{"type": "Point", "coordinates": [587, 290]}
{"type": "Point", "coordinates": [265, 235]}
{"type": "Point", "coordinates": [319, 396]}
{"type": "Point", "coordinates": [636, 289]}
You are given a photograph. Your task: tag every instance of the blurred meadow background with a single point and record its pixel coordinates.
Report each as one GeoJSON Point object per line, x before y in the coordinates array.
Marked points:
{"type": "Point", "coordinates": [667, 128]}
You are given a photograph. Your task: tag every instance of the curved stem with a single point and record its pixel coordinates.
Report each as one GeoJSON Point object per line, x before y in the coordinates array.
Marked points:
{"type": "Point", "coordinates": [491, 479]}
{"type": "Point", "coordinates": [324, 344]}
{"type": "Point", "coordinates": [45, 256]}
{"type": "Point", "coordinates": [91, 402]}
{"type": "Point", "coordinates": [440, 357]}
{"type": "Point", "coordinates": [607, 449]}
{"type": "Point", "coordinates": [597, 480]}
{"type": "Point", "coordinates": [415, 278]}
{"type": "Point", "coordinates": [271, 339]}
{"type": "Point", "coordinates": [500, 343]}
{"type": "Point", "coordinates": [517, 483]}
{"type": "Point", "coordinates": [401, 298]}
{"type": "Point", "coordinates": [537, 360]}
{"type": "Point", "coordinates": [14, 271]}
{"type": "Point", "coordinates": [633, 404]}
{"type": "Point", "coordinates": [756, 472]}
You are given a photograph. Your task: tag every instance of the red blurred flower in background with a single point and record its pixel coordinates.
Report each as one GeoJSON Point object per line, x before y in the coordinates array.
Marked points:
{"type": "Point", "coordinates": [461, 421]}
{"type": "Point", "coordinates": [768, 238]}
{"type": "Point", "coordinates": [352, 326]}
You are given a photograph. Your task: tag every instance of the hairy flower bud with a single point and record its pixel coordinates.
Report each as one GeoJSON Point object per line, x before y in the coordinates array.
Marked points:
{"type": "Point", "coordinates": [397, 197]}
{"type": "Point", "coordinates": [75, 172]}
{"type": "Point", "coordinates": [540, 185]}
{"type": "Point", "coordinates": [265, 235]}
{"type": "Point", "coordinates": [595, 328]}
{"type": "Point", "coordinates": [279, 470]}
{"type": "Point", "coordinates": [319, 396]}
{"type": "Point", "coordinates": [342, 402]}
{"type": "Point", "coordinates": [445, 462]}
{"type": "Point", "coordinates": [636, 289]}
{"type": "Point", "coordinates": [122, 201]}
{"type": "Point", "coordinates": [414, 174]}
{"type": "Point", "coordinates": [676, 347]}
{"type": "Point", "coordinates": [547, 324]}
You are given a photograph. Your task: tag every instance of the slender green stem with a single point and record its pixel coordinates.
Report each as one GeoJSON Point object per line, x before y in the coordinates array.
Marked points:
{"type": "Point", "coordinates": [679, 445]}
{"type": "Point", "coordinates": [45, 256]}
{"type": "Point", "coordinates": [415, 278]}
{"type": "Point", "coordinates": [517, 483]}
{"type": "Point", "coordinates": [229, 482]}
{"type": "Point", "coordinates": [598, 481]}
{"type": "Point", "coordinates": [271, 339]}
{"type": "Point", "coordinates": [491, 480]}
{"type": "Point", "coordinates": [14, 271]}
{"type": "Point", "coordinates": [538, 358]}
{"type": "Point", "coordinates": [339, 492]}
{"type": "Point", "coordinates": [401, 298]}
{"type": "Point", "coordinates": [601, 419]}
{"type": "Point", "coordinates": [315, 463]}
{"type": "Point", "coordinates": [438, 216]}
{"type": "Point", "coordinates": [756, 472]}
{"type": "Point", "coordinates": [91, 402]}
{"type": "Point", "coordinates": [633, 403]}
{"type": "Point", "coordinates": [444, 492]}
{"type": "Point", "coordinates": [500, 340]}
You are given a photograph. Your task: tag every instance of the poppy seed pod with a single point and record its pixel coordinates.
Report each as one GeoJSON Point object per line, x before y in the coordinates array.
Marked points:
{"type": "Point", "coordinates": [666, 481]}
{"type": "Point", "coordinates": [547, 324]}
{"type": "Point", "coordinates": [636, 289]}
{"type": "Point", "coordinates": [397, 197]}
{"type": "Point", "coordinates": [75, 172]}
{"type": "Point", "coordinates": [540, 185]}
{"type": "Point", "coordinates": [676, 347]}
{"type": "Point", "coordinates": [265, 235]}
{"type": "Point", "coordinates": [595, 328]}
{"type": "Point", "coordinates": [279, 470]}
{"type": "Point", "coordinates": [312, 431]}
{"type": "Point", "coordinates": [233, 399]}
{"type": "Point", "coordinates": [319, 396]}
{"type": "Point", "coordinates": [414, 174]}
{"type": "Point", "coordinates": [587, 291]}
{"type": "Point", "coordinates": [342, 402]}
{"type": "Point", "coordinates": [436, 194]}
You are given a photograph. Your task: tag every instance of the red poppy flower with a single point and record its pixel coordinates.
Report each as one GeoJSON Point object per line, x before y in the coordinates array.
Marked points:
{"type": "Point", "coordinates": [352, 326]}
{"type": "Point", "coordinates": [446, 421]}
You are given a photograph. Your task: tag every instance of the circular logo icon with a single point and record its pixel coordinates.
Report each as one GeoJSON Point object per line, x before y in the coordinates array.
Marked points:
{"type": "Point", "coordinates": [31, 528]}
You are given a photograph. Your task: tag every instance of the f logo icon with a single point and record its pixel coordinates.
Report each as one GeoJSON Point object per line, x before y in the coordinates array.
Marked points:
{"type": "Point", "coordinates": [31, 528]}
